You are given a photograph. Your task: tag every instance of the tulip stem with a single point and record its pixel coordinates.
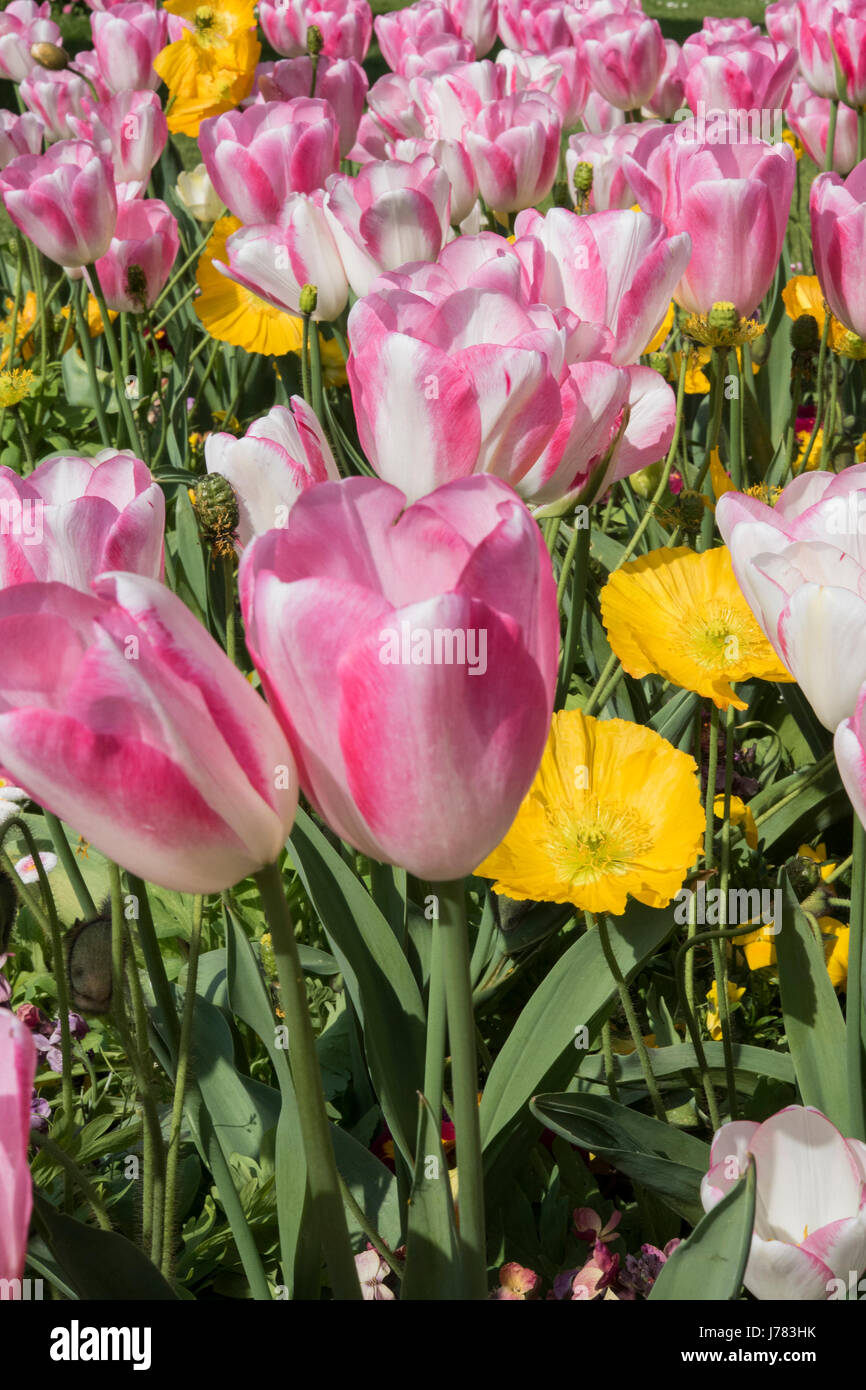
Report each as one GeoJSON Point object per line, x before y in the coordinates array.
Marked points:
{"type": "Point", "coordinates": [651, 506]}
{"type": "Point", "coordinates": [819, 395]}
{"type": "Point", "coordinates": [305, 360]}
{"type": "Point", "coordinates": [831, 135]}
{"type": "Point", "coordinates": [854, 997]}
{"type": "Point", "coordinates": [861, 134]}
{"type": "Point", "coordinates": [70, 863]}
{"type": "Point", "coordinates": [464, 1084]}
{"type": "Point", "coordinates": [124, 407]}
{"type": "Point", "coordinates": [180, 1075]}
{"type": "Point", "coordinates": [322, 1175]}
{"type": "Point", "coordinates": [228, 564]}
{"type": "Point", "coordinates": [87, 353]}
{"type": "Point", "coordinates": [631, 1018]}
{"type": "Point", "coordinates": [724, 875]}
{"type": "Point", "coordinates": [318, 401]}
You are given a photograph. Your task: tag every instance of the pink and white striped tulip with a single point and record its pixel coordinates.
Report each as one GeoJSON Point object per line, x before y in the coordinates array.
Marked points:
{"type": "Point", "coordinates": [17, 1069]}
{"type": "Point", "coordinates": [809, 118]}
{"type": "Point", "coordinates": [732, 198]}
{"type": "Point", "coordinates": [171, 764]}
{"type": "Point", "coordinates": [561, 75]}
{"type": "Point", "coordinates": [413, 31]}
{"type": "Point", "coordinates": [849, 746]}
{"type": "Point", "coordinates": [343, 610]}
{"type": "Point", "coordinates": [388, 215]}
{"type": "Point", "coordinates": [132, 130]}
{"type": "Point", "coordinates": [514, 147]}
{"type": "Point", "coordinates": [276, 262]}
{"type": "Point", "coordinates": [346, 26]}
{"type": "Point", "coordinates": [138, 262]}
{"type": "Point", "coordinates": [838, 214]}
{"type": "Point", "coordinates": [453, 157]}
{"type": "Point", "coordinates": [610, 186]}
{"type": "Point", "coordinates": [533, 26]}
{"type": "Point", "coordinates": [55, 97]}
{"type": "Point", "coordinates": [449, 101]}
{"type": "Point", "coordinates": [278, 458]}
{"type": "Point", "coordinates": [127, 38]}
{"type": "Point", "coordinates": [19, 135]}
{"type": "Point", "coordinates": [670, 89]}
{"type": "Point", "coordinates": [615, 268]}
{"type": "Point", "coordinates": [802, 568]}
{"type": "Point", "coordinates": [810, 1211]}
{"type": "Point", "coordinates": [341, 82]}
{"type": "Point", "coordinates": [625, 54]}
{"type": "Point", "coordinates": [815, 48]}
{"type": "Point", "coordinates": [64, 201]}
{"type": "Point", "coordinates": [848, 35]}
{"type": "Point", "coordinates": [733, 76]}
{"type": "Point", "coordinates": [22, 24]}
{"type": "Point", "coordinates": [475, 20]}
{"type": "Point", "coordinates": [72, 518]}
{"type": "Point", "coordinates": [256, 158]}
{"type": "Point", "coordinates": [782, 22]}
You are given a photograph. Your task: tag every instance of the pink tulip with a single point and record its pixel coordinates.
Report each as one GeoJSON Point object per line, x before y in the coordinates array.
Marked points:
{"type": "Point", "coordinates": [258, 157]}
{"type": "Point", "coordinates": [810, 1212]}
{"type": "Point", "coordinates": [399, 647]}
{"type": "Point", "coordinates": [54, 97]}
{"type": "Point", "coordinates": [838, 212]}
{"type": "Point", "coordinates": [18, 135]}
{"type": "Point", "coordinates": [670, 89]}
{"type": "Point", "coordinates": [800, 567]}
{"type": "Point", "coordinates": [809, 118]}
{"type": "Point", "coordinates": [17, 1069]}
{"type": "Point", "coordinates": [72, 518]}
{"type": "Point", "coordinates": [452, 100]}
{"type": "Point", "coordinates": [733, 200]}
{"type": "Point", "coordinates": [615, 268]}
{"type": "Point", "coordinates": [475, 20]}
{"type": "Point", "coordinates": [533, 26]}
{"type": "Point", "coordinates": [514, 146]}
{"type": "Point", "coordinates": [561, 75]}
{"type": "Point", "coordinates": [340, 81]}
{"type": "Point", "coordinates": [394, 104]}
{"type": "Point", "coordinates": [132, 130]}
{"type": "Point", "coordinates": [276, 262]}
{"type": "Point", "coordinates": [814, 47]}
{"type": "Point", "coordinates": [600, 118]}
{"type": "Point", "coordinates": [373, 142]}
{"type": "Point", "coordinates": [127, 39]}
{"type": "Point", "coordinates": [346, 26]}
{"type": "Point", "coordinates": [139, 259]}
{"type": "Point", "coordinates": [610, 186]}
{"type": "Point", "coordinates": [849, 746]}
{"type": "Point", "coordinates": [64, 201]}
{"type": "Point", "coordinates": [388, 215]}
{"type": "Point", "coordinates": [848, 34]}
{"type": "Point", "coordinates": [121, 715]}
{"type": "Point", "coordinates": [626, 56]}
{"type": "Point", "coordinates": [782, 22]}
{"type": "Point", "coordinates": [746, 77]}
{"type": "Point", "coordinates": [278, 458]}
{"type": "Point", "coordinates": [22, 24]}
{"type": "Point", "coordinates": [453, 157]}
{"type": "Point", "coordinates": [413, 31]}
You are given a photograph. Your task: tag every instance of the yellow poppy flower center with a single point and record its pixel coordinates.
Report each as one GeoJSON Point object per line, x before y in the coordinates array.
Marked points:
{"type": "Point", "coordinates": [205, 19]}
{"type": "Point", "coordinates": [605, 840]}
{"type": "Point", "coordinates": [718, 639]}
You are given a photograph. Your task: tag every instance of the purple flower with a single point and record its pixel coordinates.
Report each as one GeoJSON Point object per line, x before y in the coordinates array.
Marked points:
{"type": "Point", "coordinates": [641, 1271]}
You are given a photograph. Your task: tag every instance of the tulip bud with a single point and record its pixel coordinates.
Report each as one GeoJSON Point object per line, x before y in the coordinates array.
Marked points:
{"type": "Point", "coordinates": [804, 334]}
{"type": "Point", "coordinates": [216, 507]}
{"type": "Point", "coordinates": [309, 299]}
{"type": "Point", "coordinates": [88, 964]}
{"type": "Point", "coordinates": [50, 55]}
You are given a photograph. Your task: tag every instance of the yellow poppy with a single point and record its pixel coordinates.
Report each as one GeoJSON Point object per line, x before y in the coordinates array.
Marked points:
{"type": "Point", "coordinates": [211, 67]}
{"type": "Point", "coordinates": [614, 811]}
{"type": "Point", "coordinates": [680, 614]}
{"type": "Point", "coordinates": [741, 815]}
{"type": "Point", "coordinates": [714, 1021]}
{"type": "Point", "coordinates": [15, 386]}
{"type": "Point", "coordinates": [27, 313]}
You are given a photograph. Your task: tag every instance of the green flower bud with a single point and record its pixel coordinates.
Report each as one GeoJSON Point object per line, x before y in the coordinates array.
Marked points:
{"type": "Point", "coordinates": [88, 964]}
{"type": "Point", "coordinates": [804, 875]}
{"type": "Point", "coordinates": [309, 298]}
{"type": "Point", "coordinates": [315, 42]}
{"type": "Point", "coordinates": [50, 55]}
{"type": "Point", "coordinates": [216, 506]}
{"type": "Point", "coordinates": [805, 336]}
{"type": "Point", "coordinates": [660, 363]}
{"type": "Point", "coordinates": [583, 177]}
